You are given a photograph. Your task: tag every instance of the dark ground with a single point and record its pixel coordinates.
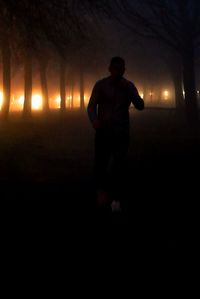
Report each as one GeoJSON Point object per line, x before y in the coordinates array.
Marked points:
{"type": "Point", "coordinates": [46, 176]}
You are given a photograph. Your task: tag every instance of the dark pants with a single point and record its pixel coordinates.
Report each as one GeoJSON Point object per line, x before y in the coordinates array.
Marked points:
{"type": "Point", "coordinates": [111, 149]}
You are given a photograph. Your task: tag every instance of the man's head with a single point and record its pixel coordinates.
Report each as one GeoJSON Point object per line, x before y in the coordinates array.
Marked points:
{"type": "Point", "coordinates": [117, 67]}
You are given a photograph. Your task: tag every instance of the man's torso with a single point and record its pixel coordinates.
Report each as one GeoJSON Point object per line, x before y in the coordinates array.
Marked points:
{"type": "Point", "coordinates": [114, 102]}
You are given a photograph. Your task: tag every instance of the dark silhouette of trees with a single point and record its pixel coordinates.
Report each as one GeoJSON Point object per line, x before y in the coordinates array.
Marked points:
{"type": "Point", "coordinates": [29, 28]}
{"type": "Point", "coordinates": [78, 46]}
{"type": "Point", "coordinates": [176, 24]}
{"type": "Point", "coordinates": [20, 32]}
{"type": "Point", "coordinates": [67, 34]}
{"type": "Point", "coordinates": [6, 29]}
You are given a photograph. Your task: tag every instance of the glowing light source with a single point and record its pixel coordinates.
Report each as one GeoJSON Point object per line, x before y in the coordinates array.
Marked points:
{"type": "Point", "coordinates": [58, 102]}
{"type": "Point", "coordinates": [69, 101]}
{"type": "Point", "coordinates": [142, 95]}
{"type": "Point", "coordinates": [36, 102]}
{"type": "Point", "coordinates": [166, 94]}
{"type": "Point", "coordinates": [21, 100]}
{"type": "Point", "coordinates": [1, 99]}
{"type": "Point", "coordinates": [76, 102]}
{"type": "Point", "coordinates": [69, 98]}
{"type": "Point", "coordinates": [86, 99]}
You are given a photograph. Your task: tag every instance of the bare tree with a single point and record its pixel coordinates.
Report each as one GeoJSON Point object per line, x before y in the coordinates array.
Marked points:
{"type": "Point", "coordinates": [33, 44]}
{"type": "Point", "coordinates": [6, 27]}
{"type": "Point", "coordinates": [29, 28]}
{"type": "Point", "coordinates": [67, 33]}
{"type": "Point", "coordinates": [75, 39]}
{"type": "Point", "coordinates": [20, 31]}
{"type": "Point", "coordinates": [176, 24]}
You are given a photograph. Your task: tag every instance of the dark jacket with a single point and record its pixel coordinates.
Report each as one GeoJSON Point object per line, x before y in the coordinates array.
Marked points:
{"type": "Point", "coordinates": [110, 102]}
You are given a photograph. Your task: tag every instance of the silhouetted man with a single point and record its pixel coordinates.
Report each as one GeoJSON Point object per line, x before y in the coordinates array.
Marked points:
{"type": "Point", "coordinates": [108, 111]}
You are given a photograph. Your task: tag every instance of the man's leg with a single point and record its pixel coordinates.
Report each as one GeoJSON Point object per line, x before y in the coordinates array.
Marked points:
{"type": "Point", "coordinates": [102, 157]}
{"type": "Point", "coordinates": [119, 171]}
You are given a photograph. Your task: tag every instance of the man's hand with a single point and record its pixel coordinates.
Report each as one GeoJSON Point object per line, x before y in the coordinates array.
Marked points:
{"type": "Point", "coordinates": [97, 124]}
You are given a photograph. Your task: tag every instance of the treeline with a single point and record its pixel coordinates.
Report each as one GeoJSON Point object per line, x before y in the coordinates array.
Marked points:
{"type": "Point", "coordinates": [43, 31]}
{"type": "Point", "coordinates": [174, 26]}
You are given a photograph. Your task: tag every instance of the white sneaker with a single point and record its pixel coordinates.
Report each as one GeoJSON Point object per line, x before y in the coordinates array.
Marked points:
{"type": "Point", "coordinates": [115, 206]}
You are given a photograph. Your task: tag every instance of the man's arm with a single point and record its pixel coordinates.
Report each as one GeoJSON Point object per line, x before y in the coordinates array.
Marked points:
{"type": "Point", "coordinates": [92, 107]}
{"type": "Point", "coordinates": [135, 97]}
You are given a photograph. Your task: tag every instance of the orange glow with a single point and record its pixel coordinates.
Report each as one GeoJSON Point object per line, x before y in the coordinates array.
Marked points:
{"type": "Point", "coordinates": [16, 103]}
{"type": "Point", "coordinates": [57, 102]}
{"type": "Point", "coordinates": [69, 101]}
{"type": "Point", "coordinates": [166, 94]}
{"type": "Point", "coordinates": [76, 102]}
{"type": "Point", "coordinates": [21, 100]}
{"type": "Point", "coordinates": [36, 102]}
{"type": "Point", "coordinates": [1, 99]}
{"type": "Point", "coordinates": [17, 100]}
{"type": "Point", "coordinates": [69, 98]}
{"type": "Point", "coordinates": [86, 99]}
{"type": "Point", "coordinates": [142, 95]}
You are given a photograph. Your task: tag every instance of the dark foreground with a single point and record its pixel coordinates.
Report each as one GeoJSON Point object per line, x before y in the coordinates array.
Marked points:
{"type": "Point", "coordinates": [46, 183]}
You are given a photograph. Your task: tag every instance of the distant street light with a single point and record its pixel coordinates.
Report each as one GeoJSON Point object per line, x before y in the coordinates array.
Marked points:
{"type": "Point", "coordinates": [166, 95]}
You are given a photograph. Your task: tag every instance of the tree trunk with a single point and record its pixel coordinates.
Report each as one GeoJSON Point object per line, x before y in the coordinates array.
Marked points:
{"type": "Point", "coordinates": [62, 84]}
{"type": "Point", "coordinates": [44, 84]}
{"type": "Point", "coordinates": [82, 103]}
{"type": "Point", "coordinates": [6, 59]}
{"type": "Point", "coordinates": [190, 85]}
{"type": "Point", "coordinates": [178, 88]}
{"type": "Point", "coordinates": [27, 83]}
{"type": "Point", "coordinates": [159, 96]}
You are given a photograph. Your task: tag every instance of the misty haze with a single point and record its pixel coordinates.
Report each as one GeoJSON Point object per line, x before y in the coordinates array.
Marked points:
{"type": "Point", "coordinates": [53, 54]}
